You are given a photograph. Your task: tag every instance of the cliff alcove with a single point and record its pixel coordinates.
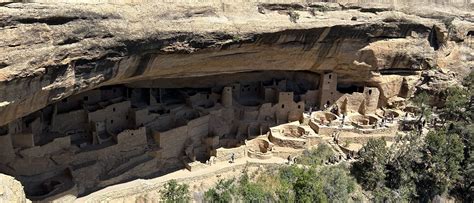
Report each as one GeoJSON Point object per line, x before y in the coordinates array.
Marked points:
{"type": "Point", "coordinates": [95, 95]}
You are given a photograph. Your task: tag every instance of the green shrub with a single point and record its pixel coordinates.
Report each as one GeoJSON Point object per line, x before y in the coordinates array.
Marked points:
{"type": "Point", "coordinates": [305, 183]}
{"type": "Point", "coordinates": [174, 192]}
{"type": "Point", "coordinates": [316, 157]}
{"type": "Point", "coordinates": [222, 192]}
{"type": "Point", "coordinates": [338, 184]}
{"type": "Point", "coordinates": [253, 191]}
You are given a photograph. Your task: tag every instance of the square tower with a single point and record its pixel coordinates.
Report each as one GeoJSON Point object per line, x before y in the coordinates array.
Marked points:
{"type": "Point", "coordinates": [328, 89]}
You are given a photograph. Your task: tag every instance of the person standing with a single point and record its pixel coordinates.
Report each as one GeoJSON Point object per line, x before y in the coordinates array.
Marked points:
{"type": "Point", "coordinates": [232, 158]}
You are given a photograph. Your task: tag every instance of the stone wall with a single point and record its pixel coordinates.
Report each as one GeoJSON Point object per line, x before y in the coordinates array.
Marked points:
{"type": "Point", "coordinates": [69, 121]}
{"type": "Point", "coordinates": [286, 108]}
{"type": "Point", "coordinates": [171, 142]}
{"type": "Point", "coordinates": [23, 140]}
{"type": "Point", "coordinates": [6, 150]}
{"type": "Point", "coordinates": [116, 116]}
{"type": "Point", "coordinates": [132, 138]}
{"type": "Point", "coordinates": [224, 154]}
{"type": "Point", "coordinates": [367, 101]}
{"type": "Point", "coordinates": [54, 146]}
{"type": "Point", "coordinates": [74, 102]}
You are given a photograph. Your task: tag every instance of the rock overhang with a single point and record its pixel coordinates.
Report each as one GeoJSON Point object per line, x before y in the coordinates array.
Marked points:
{"type": "Point", "coordinates": [99, 46]}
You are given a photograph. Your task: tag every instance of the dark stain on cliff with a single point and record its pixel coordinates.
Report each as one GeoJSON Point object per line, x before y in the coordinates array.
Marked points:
{"type": "Point", "coordinates": [433, 39]}
{"type": "Point", "coordinates": [144, 61]}
{"type": "Point", "coordinates": [55, 72]}
{"type": "Point", "coordinates": [57, 20]}
{"type": "Point", "coordinates": [87, 68]}
{"type": "Point", "coordinates": [3, 65]}
{"type": "Point", "coordinates": [309, 37]}
{"type": "Point", "coordinates": [281, 7]}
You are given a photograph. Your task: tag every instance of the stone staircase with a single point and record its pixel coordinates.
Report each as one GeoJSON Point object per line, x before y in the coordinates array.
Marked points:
{"type": "Point", "coordinates": [340, 155]}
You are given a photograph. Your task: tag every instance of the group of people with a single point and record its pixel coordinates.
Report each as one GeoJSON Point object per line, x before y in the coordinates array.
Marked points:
{"type": "Point", "coordinates": [291, 160]}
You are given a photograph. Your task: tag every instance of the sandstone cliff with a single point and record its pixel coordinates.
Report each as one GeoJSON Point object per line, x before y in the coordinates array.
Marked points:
{"type": "Point", "coordinates": [11, 190]}
{"type": "Point", "coordinates": [51, 51]}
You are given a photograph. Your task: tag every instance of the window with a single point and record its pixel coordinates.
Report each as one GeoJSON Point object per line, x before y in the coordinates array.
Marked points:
{"type": "Point", "coordinates": [282, 106]}
{"type": "Point", "coordinates": [330, 76]}
{"type": "Point", "coordinates": [207, 97]}
{"type": "Point", "coordinates": [132, 134]}
{"type": "Point", "coordinates": [113, 109]}
{"type": "Point", "coordinates": [86, 98]}
{"type": "Point", "coordinates": [111, 121]}
{"type": "Point", "coordinates": [327, 103]}
{"type": "Point", "coordinates": [370, 92]}
{"type": "Point", "coordinates": [126, 117]}
{"type": "Point", "coordinates": [299, 106]}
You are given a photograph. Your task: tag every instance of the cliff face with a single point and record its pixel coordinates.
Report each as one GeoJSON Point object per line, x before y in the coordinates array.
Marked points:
{"type": "Point", "coordinates": [50, 52]}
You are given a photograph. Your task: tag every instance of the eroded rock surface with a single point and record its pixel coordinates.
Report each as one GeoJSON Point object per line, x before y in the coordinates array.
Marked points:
{"type": "Point", "coordinates": [50, 52]}
{"type": "Point", "coordinates": [11, 190]}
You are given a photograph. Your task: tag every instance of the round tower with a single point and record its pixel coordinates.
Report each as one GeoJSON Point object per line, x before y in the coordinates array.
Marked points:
{"type": "Point", "coordinates": [227, 97]}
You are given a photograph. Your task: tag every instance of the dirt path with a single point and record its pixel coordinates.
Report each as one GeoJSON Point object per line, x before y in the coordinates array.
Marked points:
{"type": "Point", "coordinates": [141, 186]}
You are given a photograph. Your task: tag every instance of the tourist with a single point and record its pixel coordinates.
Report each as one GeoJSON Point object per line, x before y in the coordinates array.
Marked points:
{"type": "Point", "coordinates": [232, 158]}
{"type": "Point", "coordinates": [420, 127]}
{"type": "Point", "coordinates": [335, 110]}
{"type": "Point", "coordinates": [289, 159]}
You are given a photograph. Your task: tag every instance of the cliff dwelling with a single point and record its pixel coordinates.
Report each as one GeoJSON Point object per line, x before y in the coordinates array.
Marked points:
{"type": "Point", "coordinates": [106, 93]}
{"type": "Point", "coordinates": [97, 137]}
